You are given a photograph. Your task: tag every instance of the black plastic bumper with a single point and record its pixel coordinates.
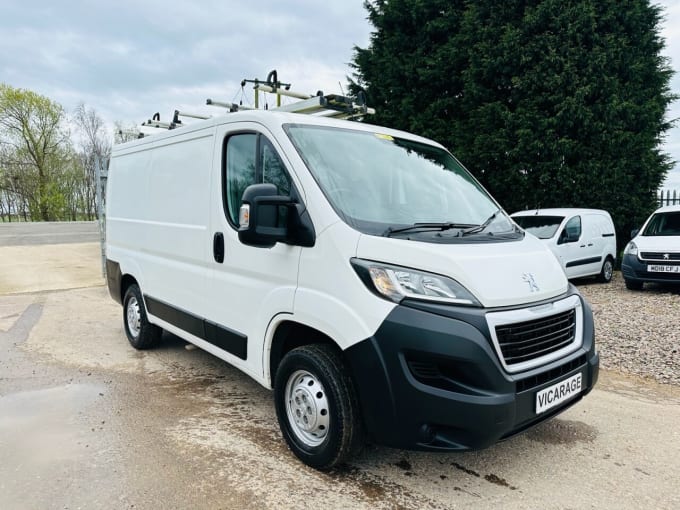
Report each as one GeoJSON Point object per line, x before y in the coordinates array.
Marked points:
{"type": "Point", "coordinates": [430, 379]}
{"type": "Point", "coordinates": [636, 271]}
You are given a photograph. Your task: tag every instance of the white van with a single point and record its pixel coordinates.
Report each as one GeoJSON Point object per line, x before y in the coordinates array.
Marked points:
{"type": "Point", "coordinates": [583, 240]}
{"type": "Point", "coordinates": [653, 255]}
{"type": "Point", "coordinates": [360, 272]}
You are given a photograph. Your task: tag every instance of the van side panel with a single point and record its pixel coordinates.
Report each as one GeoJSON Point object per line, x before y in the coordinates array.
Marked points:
{"type": "Point", "coordinates": [157, 224]}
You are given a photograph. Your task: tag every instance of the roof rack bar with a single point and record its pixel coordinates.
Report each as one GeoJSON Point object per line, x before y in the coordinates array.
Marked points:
{"type": "Point", "coordinates": [281, 91]}
{"type": "Point", "coordinates": [232, 107]}
{"type": "Point", "coordinates": [158, 124]}
{"type": "Point", "coordinates": [179, 113]}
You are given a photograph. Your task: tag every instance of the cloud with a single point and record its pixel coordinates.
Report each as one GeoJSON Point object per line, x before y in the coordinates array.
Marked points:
{"type": "Point", "coordinates": [129, 59]}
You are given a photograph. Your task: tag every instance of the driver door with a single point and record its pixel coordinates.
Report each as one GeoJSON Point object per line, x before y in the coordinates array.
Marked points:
{"type": "Point", "coordinates": [248, 285]}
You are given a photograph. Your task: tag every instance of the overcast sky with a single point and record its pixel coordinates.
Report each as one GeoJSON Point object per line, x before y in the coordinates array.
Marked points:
{"type": "Point", "coordinates": [129, 59]}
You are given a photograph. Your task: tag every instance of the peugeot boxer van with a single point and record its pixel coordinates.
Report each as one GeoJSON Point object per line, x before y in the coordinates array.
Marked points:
{"type": "Point", "coordinates": [360, 272]}
{"type": "Point", "coordinates": [583, 240]}
{"type": "Point", "coordinates": [653, 255]}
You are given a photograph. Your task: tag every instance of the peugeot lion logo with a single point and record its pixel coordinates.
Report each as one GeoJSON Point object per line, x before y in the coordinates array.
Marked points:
{"type": "Point", "coordinates": [529, 278]}
{"type": "Point", "coordinates": [666, 256]}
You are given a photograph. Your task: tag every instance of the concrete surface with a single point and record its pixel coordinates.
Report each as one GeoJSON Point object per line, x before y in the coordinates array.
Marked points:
{"type": "Point", "coordinates": [49, 267]}
{"type": "Point", "coordinates": [56, 232]}
{"type": "Point", "coordinates": [88, 422]}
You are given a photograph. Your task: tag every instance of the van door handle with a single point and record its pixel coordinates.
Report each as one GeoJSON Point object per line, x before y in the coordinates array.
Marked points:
{"type": "Point", "coordinates": [218, 247]}
{"type": "Point", "coordinates": [582, 246]}
{"type": "Point", "coordinates": [590, 244]}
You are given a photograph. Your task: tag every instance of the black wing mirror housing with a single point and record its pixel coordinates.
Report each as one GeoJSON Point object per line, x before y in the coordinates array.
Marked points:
{"type": "Point", "coordinates": [267, 218]}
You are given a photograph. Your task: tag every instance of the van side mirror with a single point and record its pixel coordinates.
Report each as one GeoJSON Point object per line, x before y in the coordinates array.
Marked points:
{"type": "Point", "coordinates": [634, 232]}
{"type": "Point", "coordinates": [266, 218]}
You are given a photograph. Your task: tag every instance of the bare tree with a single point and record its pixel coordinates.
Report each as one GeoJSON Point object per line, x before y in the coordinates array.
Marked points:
{"type": "Point", "coordinates": [95, 149]}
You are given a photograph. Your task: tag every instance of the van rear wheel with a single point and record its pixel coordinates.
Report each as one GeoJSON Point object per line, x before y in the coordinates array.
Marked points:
{"type": "Point", "coordinates": [607, 272]}
{"type": "Point", "coordinates": [316, 406]}
{"type": "Point", "coordinates": [139, 331]}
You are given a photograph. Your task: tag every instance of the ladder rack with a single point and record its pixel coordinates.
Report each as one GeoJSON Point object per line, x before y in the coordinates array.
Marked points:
{"type": "Point", "coordinates": [329, 106]}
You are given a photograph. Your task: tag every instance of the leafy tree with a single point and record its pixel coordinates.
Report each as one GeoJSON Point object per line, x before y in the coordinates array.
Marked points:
{"type": "Point", "coordinates": [34, 141]}
{"type": "Point", "coordinates": [548, 102]}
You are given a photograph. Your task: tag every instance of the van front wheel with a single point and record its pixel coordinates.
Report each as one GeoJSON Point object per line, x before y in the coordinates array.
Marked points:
{"type": "Point", "coordinates": [139, 331]}
{"type": "Point", "coordinates": [316, 406]}
{"type": "Point", "coordinates": [607, 271]}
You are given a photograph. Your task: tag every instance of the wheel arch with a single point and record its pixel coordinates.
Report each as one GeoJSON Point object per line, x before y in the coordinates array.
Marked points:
{"type": "Point", "coordinates": [125, 282]}
{"type": "Point", "coordinates": [287, 335]}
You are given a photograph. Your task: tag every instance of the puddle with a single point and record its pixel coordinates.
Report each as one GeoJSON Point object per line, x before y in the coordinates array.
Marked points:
{"type": "Point", "coordinates": [40, 427]}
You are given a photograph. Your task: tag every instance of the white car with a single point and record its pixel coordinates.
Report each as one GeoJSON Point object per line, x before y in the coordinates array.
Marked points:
{"type": "Point", "coordinates": [583, 240]}
{"type": "Point", "coordinates": [653, 255]}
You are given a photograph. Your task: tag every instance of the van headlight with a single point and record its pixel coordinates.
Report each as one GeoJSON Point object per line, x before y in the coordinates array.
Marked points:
{"type": "Point", "coordinates": [396, 283]}
{"type": "Point", "coordinates": [631, 249]}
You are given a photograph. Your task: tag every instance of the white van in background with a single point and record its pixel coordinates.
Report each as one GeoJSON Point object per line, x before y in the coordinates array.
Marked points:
{"type": "Point", "coordinates": [653, 255]}
{"type": "Point", "coordinates": [583, 240]}
{"type": "Point", "coordinates": [360, 272]}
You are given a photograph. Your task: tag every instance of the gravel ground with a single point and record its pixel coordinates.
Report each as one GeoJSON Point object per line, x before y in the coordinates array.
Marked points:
{"type": "Point", "coordinates": [637, 332]}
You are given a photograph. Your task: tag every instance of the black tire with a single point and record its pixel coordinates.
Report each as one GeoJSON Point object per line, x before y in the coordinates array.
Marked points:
{"type": "Point", "coordinates": [139, 331]}
{"type": "Point", "coordinates": [316, 377]}
{"type": "Point", "coordinates": [634, 285]}
{"type": "Point", "coordinates": [607, 271]}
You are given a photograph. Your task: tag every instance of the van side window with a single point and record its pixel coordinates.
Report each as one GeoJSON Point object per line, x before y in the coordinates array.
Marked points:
{"type": "Point", "coordinates": [251, 159]}
{"type": "Point", "coordinates": [572, 230]}
{"type": "Point", "coordinates": [273, 171]}
{"type": "Point", "coordinates": [241, 170]}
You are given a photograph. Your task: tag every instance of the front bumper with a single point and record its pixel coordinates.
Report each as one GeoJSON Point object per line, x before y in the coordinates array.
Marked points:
{"type": "Point", "coordinates": [430, 379]}
{"type": "Point", "coordinates": [635, 270]}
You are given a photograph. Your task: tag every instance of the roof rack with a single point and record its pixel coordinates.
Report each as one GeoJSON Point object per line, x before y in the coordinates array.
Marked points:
{"type": "Point", "coordinates": [331, 105]}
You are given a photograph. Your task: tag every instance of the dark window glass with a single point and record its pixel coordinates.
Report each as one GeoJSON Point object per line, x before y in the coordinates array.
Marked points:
{"type": "Point", "coordinates": [664, 224]}
{"type": "Point", "coordinates": [248, 162]}
{"type": "Point", "coordinates": [273, 171]}
{"type": "Point", "coordinates": [241, 170]}
{"type": "Point", "coordinates": [573, 229]}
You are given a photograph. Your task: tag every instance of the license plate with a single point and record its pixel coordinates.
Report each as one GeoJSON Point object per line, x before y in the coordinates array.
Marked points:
{"type": "Point", "coordinates": [663, 269]}
{"type": "Point", "coordinates": [558, 393]}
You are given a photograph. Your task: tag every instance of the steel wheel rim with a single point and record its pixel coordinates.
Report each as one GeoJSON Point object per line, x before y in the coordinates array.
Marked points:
{"type": "Point", "coordinates": [134, 317]}
{"type": "Point", "coordinates": [608, 270]}
{"type": "Point", "coordinates": [307, 408]}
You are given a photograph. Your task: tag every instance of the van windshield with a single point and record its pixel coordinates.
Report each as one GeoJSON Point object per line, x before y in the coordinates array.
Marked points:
{"type": "Point", "coordinates": [663, 224]}
{"type": "Point", "coordinates": [543, 227]}
{"type": "Point", "coordinates": [380, 184]}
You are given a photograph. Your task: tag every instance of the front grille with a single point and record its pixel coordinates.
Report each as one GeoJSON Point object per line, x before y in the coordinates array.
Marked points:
{"type": "Point", "coordinates": [532, 382]}
{"type": "Point", "coordinates": [659, 255]}
{"type": "Point", "coordinates": [525, 341]}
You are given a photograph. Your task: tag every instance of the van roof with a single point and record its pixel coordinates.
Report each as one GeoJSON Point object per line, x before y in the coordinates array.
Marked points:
{"type": "Point", "coordinates": [272, 120]}
{"type": "Point", "coordinates": [559, 211]}
{"type": "Point", "coordinates": [668, 208]}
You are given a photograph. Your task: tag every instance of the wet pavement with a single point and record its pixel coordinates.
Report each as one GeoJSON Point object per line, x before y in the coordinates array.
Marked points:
{"type": "Point", "coordinates": [88, 422]}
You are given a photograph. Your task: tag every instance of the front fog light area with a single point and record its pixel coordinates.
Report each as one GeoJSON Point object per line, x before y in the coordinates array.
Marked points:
{"type": "Point", "coordinates": [396, 283]}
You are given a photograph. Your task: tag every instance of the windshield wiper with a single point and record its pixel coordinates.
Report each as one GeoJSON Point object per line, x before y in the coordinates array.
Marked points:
{"type": "Point", "coordinates": [480, 228]}
{"type": "Point", "coordinates": [425, 227]}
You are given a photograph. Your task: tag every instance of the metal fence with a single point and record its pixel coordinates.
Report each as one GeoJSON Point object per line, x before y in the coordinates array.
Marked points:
{"type": "Point", "coordinates": [668, 197]}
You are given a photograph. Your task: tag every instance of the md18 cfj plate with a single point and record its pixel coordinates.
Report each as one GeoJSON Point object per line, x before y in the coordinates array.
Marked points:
{"type": "Point", "coordinates": [663, 269]}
